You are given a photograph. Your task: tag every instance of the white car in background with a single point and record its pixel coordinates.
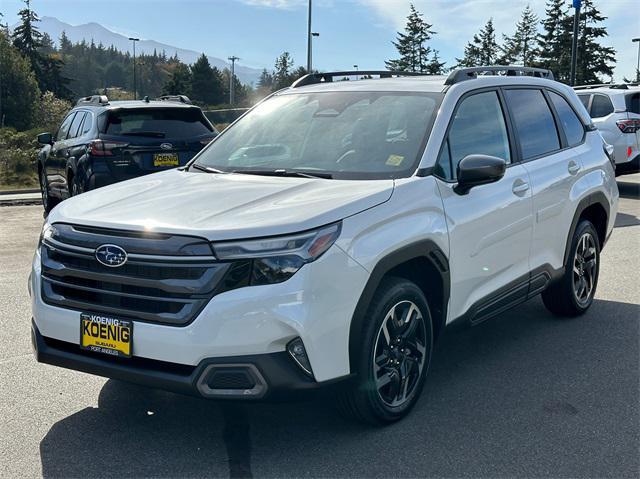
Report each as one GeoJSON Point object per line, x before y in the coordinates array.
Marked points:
{"type": "Point", "coordinates": [615, 111]}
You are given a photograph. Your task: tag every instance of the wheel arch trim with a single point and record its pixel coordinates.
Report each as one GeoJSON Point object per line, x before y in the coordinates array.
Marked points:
{"type": "Point", "coordinates": [597, 197]}
{"type": "Point", "coordinates": [424, 249]}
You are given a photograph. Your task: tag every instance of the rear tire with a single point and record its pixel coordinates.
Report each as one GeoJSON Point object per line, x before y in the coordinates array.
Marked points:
{"type": "Point", "coordinates": [392, 364]}
{"type": "Point", "coordinates": [572, 295]}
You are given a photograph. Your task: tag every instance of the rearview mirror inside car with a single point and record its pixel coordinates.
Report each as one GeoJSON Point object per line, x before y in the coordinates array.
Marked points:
{"type": "Point", "coordinates": [475, 170]}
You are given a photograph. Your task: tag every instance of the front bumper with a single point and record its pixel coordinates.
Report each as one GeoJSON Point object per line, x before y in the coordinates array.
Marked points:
{"type": "Point", "coordinates": [253, 377]}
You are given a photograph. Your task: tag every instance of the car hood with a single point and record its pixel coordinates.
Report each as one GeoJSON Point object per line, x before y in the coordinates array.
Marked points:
{"type": "Point", "coordinates": [221, 206]}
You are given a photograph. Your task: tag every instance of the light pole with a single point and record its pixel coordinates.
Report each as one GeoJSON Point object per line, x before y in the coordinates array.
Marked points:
{"type": "Point", "coordinates": [574, 44]}
{"type": "Point", "coordinates": [135, 91]}
{"type": "Point", "coordinates": [356, 67]}
{"type": "Point", "coordinates": [309, 39]}
{"type": "Point", "coordinates": [232, 92]}
{"type": "Point", "coordinates": [637, 40]}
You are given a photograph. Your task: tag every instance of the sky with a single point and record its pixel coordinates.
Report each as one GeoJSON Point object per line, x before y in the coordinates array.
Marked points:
{"type": "Point", "coordinates": [351, 31]}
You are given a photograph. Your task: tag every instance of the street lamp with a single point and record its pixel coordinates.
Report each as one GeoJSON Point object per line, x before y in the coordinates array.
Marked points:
{"type": "Point", "coordinates": [574, 44]}
{"type": "Point", "coordinates": [310, 35]}
{"type": "Point", "coordinates": [637, 40]}
{"type": "Point", "coordinates": [356, 67]}
{"type": "Point", "coordinates": [135, 91]}
{"type": "Point", "coordinates": [232, 86]}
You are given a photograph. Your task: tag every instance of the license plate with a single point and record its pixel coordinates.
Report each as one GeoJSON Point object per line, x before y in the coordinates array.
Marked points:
{"type": "Point", "coordinates": [165, 159]}
{"type": "Point", "coordinates": [106, 335]}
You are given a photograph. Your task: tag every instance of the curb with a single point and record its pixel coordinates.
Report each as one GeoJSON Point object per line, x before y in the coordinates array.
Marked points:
{"type": "Point", "coordinates": [18, 192]}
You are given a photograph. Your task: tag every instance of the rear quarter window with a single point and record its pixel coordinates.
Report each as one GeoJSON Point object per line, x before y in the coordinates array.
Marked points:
{"type": "Point", "coordinates": [601, 106]}
{"type": "Point", "coordinates": [633, 103]}
{"type": "Point", "coordinates": [157, 123]}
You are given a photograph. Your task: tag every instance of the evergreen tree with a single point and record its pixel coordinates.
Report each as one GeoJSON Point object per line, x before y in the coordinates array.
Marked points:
{"type": "Point", "coordinates": [483, 50]}
{"type": "Point", "coordinates": [179, 82]}
{"type": "Point", "coordinates": [65, 44]}
{"type": "Point", "coordinates": [206, 82]}
{"type": "Point", "coordinates": [435, 66]}
{"type": "Point", "coordinates": [593, 59]}
{"type": "Point", "coordinates": [282, 72]}
{"type": "Point", "coordinates": [411, 45]}
{"type": "Point", "coordinates": [26, 36]}
{"type": "Point", "coordinates": [554, 42]}
{"type": "Point", "coordinates": [265, 80]}
{"type": "Point", "coordinates": [19, 91]}
{"type": "Point", "coordinates": [521, 47]}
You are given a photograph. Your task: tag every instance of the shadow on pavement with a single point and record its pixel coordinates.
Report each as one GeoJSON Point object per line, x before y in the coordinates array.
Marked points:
{"type": "Point", "coordinates": [522, 395]}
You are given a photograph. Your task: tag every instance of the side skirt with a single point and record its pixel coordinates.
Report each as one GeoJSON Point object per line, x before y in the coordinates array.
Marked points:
{"type": "Point", "coordinates": [513, 294]}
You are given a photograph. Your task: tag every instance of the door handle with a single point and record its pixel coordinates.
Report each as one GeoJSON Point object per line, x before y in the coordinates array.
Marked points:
{"type": "Point", "coordinates": [520, 187]}
{"type": "Point", "coordinates": [573, 167]}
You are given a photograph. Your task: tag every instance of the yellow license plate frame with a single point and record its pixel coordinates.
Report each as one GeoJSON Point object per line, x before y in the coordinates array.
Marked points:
{"type": "Point", "coordinates": [166, 159]}
{"type": "Point", "coordinates": [106, 335]}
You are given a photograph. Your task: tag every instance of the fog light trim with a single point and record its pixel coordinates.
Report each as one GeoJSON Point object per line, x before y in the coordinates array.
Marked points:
{"type": "Point", "coordinates": [298, 353]}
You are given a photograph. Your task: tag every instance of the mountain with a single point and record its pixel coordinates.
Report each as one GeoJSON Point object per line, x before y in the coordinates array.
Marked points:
{"type": "Point", "coordinates": [100, 34]}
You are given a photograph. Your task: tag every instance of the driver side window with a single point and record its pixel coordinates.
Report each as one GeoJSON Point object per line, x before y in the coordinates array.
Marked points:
{"type": "Point", "coordinates": [478, 127]}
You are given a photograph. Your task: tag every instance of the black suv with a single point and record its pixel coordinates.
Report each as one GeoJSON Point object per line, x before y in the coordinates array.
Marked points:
{"type": "Point", "coordinates": [101, 142]}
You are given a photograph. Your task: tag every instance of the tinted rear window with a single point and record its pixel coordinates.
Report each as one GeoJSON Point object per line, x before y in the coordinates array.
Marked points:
{"type": "Point", "coordinates": [157, 123]}
{"type": "Point", "coordinates": [633, 103]}
{"type": "Point", "coordinates": [573, 128]}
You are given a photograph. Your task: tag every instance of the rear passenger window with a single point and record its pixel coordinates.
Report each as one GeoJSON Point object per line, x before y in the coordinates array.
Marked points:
{"type": "Point", "coordinates": [478, 127]}
{"type": "Point", "coordinates": [601, 106]}
{"type": "Point", "coordinates": [571, 124]}
{"type": "Point", "coordinates": [534, 122]}
{"type": "Point", "coordinates": [75, 126]}
{"type": "Point", "coordinates": [88, 122]}
{"type": "Point", "coordinates": [633, 103]}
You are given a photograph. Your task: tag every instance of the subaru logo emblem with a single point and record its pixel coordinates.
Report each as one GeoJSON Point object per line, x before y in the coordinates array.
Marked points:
{"type": "Point", "coordinates": [111, 255]}
{"type": "Point", "coordinates": [166, 146]}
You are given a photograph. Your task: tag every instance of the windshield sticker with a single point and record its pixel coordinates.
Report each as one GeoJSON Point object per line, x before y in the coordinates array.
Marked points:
{"type": "Point", "coordinates": [394, 160]}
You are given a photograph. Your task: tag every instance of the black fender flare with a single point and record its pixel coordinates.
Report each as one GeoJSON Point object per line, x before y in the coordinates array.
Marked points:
{"type": "Point", "coordinates": [426, 249]}
{"type": "Point", "coordinates": [597, 197]}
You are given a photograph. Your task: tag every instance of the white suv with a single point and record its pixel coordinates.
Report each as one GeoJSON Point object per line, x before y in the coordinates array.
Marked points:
{"type": "Point", "coordinates": [327, 238]}
{"type": "Point", "coordinates": [615, 111]}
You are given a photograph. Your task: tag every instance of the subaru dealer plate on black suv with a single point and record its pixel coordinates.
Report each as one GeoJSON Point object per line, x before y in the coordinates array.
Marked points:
{"type": "Point", "coordinates": [101, 142]}
{"type": "Point", "coordinates": [328, 237]}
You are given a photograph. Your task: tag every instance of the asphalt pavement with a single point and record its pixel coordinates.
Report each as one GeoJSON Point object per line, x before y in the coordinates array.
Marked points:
{"type": "Point", "coordinates": [523, 395]}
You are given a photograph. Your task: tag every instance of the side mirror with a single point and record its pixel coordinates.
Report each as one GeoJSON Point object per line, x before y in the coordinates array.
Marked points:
{"type": "Point", "coordinates": [475, 170]}
{"type": "Point", "coordinates": [45, 139]}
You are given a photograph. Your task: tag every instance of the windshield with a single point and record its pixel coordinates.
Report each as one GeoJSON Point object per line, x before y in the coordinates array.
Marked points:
{"type": "Point", "coordinates": [157, 123]}
{"type": "Point", "coordinates": [349, 135]}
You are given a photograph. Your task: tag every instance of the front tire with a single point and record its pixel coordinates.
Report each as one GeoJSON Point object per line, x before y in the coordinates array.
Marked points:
{"type": "Point", "coordinates": [48, 202]}
{"type": "Point", "coordinates": [392, 364]}
{"type": "Point", "coordinates": [573, 294]}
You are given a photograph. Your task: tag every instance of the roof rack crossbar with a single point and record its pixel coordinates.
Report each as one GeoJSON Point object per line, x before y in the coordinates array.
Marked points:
{"type": "Point", "coordinates": [93, 100]}
{"type": "Point", "coordinates": [176, 98]}
{"type": "Point", "coordinates": [313, 78]}
{"type": "Point", "coordinates": [462, 74]}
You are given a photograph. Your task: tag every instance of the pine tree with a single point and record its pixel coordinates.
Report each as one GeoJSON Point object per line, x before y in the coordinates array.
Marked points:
{"type": "Point", "coordinates": [554, 43]}
{"type": "Point", "coordinates": [206, 82]}
{"type": "Point", "coordinates": [282, 72]}
{"type": "Point", "coordinates": [521, 47]}
{"type": "Point", "coordinates": [483, 50]}
{"type": "Point", "coordinates": [26, 36]}
{"type": "Point", "coordinates": [411, 45]}
{"type": "Point", "coordinates": [435, 66]}
{"type": "Point", "coordinates": [593, 58]}
{"type": "Point", "coordinates": [179, 82]}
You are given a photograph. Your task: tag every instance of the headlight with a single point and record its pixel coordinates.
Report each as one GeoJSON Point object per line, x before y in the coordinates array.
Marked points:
{"type": "Point", "coordinates": [47, 232]}
{"type": "Point", "coordinates": [277, 259]}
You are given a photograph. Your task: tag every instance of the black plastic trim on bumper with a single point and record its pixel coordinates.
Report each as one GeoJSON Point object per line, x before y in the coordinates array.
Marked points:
{"type": "Point", "coordinates": [282, 378]}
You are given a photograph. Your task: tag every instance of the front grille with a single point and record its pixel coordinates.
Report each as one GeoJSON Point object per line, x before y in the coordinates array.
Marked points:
{"type": "Point", "coordinates": [167, 278]}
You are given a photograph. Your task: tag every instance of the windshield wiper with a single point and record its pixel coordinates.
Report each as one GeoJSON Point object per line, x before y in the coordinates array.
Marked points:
{"type": "Point", "coordinates": [206, 169]}
{"type": "Point", "coordinates": [282, 172]}
{"type": "Point", "coordinates": [152, 134]}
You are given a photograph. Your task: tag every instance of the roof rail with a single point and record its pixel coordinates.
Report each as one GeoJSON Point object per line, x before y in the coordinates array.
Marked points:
{"type": "Point", "coordinates": [462, 74]}
{"type": "Point", "coordinates": [175, 98]}
{"type": "Point", "coordinates": [93, 100]}
{"type": "Point", "coordinates": [614, 86]}
{"type": "Point", "coordinates": [313, 78]}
